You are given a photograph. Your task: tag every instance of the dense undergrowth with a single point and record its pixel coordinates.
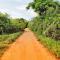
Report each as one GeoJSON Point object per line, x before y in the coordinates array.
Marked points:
{"type": "Point", "coordinates": [51, 44]}
{"type": "Point", "coordinates": [46, 24]}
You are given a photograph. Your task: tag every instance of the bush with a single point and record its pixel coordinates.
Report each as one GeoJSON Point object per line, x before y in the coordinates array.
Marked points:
{"type": "Point", "coordinates": [10, 25]}
{"type": "Point", "coordinates": [49, 35]}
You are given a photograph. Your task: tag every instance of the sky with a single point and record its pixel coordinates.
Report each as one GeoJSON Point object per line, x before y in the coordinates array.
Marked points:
{"type": "Point", "coordinates": [17, 8]}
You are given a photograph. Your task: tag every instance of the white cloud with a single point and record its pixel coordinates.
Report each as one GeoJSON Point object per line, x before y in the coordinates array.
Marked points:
{"type": "Point", "coordinates": [16, 9]}
{"type": "Point", "coordinates": [24, 12]}
{"type": "Point", "coordinates": [21, 7]}
{"type": "Point", "coordinates": [4, 10]}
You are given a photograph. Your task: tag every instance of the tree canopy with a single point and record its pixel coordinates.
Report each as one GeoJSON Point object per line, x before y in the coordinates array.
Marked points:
{"type": "Point", "coordinates": [45, 7]}
{"type": "Point", "coordinates": [48, 21]}
{"type": "Point", "coordinates": [10, 25]}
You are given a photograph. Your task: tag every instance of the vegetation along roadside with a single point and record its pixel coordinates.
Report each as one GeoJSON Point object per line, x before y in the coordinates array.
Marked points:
{"type": "Point", "coordinates": [47, 24]}
{"type": "Point", "coordinates": [10, 29]}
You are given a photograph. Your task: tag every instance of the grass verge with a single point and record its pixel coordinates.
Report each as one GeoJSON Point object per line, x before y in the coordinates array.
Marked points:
{"type": "Point", "coordinates": [51, 44]}
{"type": "Point", "coordinates": [6, 40]}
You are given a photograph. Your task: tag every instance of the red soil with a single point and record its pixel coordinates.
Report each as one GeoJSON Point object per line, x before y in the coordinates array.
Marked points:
{"type": "Point", "coordinates": [27, 47]}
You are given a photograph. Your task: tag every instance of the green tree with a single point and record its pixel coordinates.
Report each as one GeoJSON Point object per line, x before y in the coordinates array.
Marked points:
{"type": "Point", "coordinates": [49, 13]}
{"type": "Point", "coordinates": [4, 22]}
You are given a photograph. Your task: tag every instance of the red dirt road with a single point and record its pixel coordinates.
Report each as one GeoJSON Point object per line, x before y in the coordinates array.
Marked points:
{"type": "Point", "coordinates": [27, 47]}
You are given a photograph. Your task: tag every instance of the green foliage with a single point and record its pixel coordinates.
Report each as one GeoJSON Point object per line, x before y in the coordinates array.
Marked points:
{"type": "Point", "coordinates": [4, 22]}
{"type": "Point", "coordinates": [53, 46]}
{"type": "Point", "coordinates": [47, 24]}
{"type": "Point", "coordinates": [48, 20]}
{"type": "Point", "coordinates": [45, 7]}
{"type": "Point", "coordinates": [18, 24]}
{"type": "Point", "coordinates": [10, 29]}
{"type": "Point", "coordinates": [10, 25]}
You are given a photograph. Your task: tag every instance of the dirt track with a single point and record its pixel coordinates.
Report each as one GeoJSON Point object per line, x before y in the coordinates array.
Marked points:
{"type": "Point", "coordinates": [27, 47]}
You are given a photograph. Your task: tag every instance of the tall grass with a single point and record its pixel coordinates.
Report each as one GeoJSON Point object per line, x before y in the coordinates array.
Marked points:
{"type": "Point", "coordinates": [51, 44]}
